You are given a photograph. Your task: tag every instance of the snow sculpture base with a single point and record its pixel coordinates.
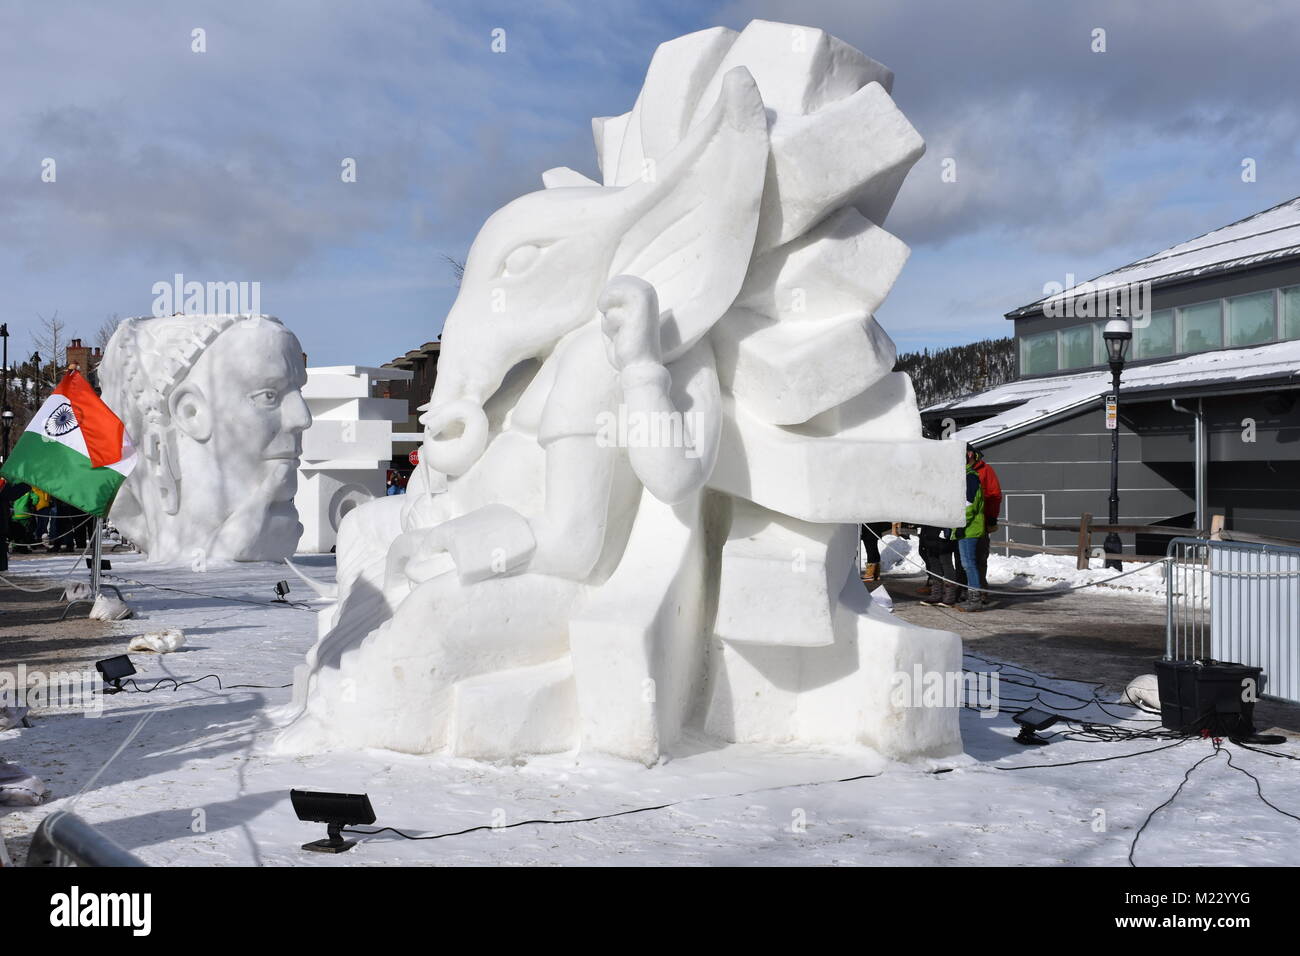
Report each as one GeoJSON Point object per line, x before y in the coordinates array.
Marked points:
{"type": "Point", "coordinates": [663, 405]}
{"type": "Point", "coordinates": [844, 693]}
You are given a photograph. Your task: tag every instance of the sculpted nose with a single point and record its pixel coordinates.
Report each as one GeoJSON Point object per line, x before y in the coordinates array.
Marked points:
{"type": "Point", "coordinates": [295, 416]}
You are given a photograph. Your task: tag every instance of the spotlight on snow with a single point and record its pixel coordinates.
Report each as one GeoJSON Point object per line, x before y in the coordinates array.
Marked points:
{"type": "Point", "coordinates": [336, 811]}
{"type": "Point", "coordinates": [281, 589]}
{"type": "Point", "coordinates": [1032, 720]}
{"type": "Point", "coordinates": [113, 670]}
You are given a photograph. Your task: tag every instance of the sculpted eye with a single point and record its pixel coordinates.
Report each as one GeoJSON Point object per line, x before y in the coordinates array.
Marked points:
{"type": "Point", "coordinates": [521, 259]}
{"type": "Point", "coordinates": [266, 398]}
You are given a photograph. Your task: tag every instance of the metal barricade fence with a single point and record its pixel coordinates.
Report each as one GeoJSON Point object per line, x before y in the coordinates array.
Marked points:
{"type": "Point", "coordinates": [64, 839]}
{"type": "Point", "coordinates": [1236, 601]}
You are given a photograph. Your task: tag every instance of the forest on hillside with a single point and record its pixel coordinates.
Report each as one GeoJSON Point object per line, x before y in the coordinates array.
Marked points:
{"type": "Point", "coordinates": [958, 370]}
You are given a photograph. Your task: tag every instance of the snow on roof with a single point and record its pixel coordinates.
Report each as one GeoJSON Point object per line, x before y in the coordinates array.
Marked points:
{"type": "Point", "coordinates": [1264, 236]}
{"type": "Point", "coordinates": [1036, 399]}
{"type": "Point", "coordinates": [378, 374]}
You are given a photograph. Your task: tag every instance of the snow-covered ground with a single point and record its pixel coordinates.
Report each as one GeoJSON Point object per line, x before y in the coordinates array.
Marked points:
{"type": "Point", "coordinates": [195, 786]}
{"type": "Point", "coordinates": [1045, 571]}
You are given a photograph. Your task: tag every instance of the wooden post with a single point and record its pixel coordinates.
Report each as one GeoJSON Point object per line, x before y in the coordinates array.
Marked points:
{"type": "Point", "coordinates": [1085, 541]}
{"type": "Point", "coordinates": [1216, 527]}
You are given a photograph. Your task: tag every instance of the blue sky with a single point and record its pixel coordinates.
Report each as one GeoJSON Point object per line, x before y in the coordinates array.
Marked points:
{"type": "Point", "coordinates": [225, 165]}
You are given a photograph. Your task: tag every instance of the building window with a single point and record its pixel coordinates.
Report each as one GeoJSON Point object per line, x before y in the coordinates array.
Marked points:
{"type": "Point", "coordinates": [1156, 338]}
{"type": "Point", "coordinates": [1038, 353]}
{"type": "Point", "coordinates": [1251, 320]}
{"type": "Point", "coordinates": [1291, 312]}
{"type": "Point", "coordinates": [1076, 347]}
{"type": "Point", "coordinates": [1200, 327]}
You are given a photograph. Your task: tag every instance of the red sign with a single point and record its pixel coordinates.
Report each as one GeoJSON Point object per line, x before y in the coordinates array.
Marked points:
{"type": "Point", "coordinates": [413, 456]}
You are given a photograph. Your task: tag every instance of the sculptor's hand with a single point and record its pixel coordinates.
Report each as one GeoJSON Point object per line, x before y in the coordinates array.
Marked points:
{"type": "Point", "coordinates": [630, 308]}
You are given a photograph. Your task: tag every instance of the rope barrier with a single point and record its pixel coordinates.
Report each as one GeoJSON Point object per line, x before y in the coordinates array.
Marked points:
{"type": "Point", "coordinates": [62, 585]}
{"type": "Point", "coordinates": [1024, 591]}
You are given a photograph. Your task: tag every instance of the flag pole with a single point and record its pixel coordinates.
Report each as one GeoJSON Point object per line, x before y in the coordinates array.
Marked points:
{"type": "Point", "coordinates": [95, 562]}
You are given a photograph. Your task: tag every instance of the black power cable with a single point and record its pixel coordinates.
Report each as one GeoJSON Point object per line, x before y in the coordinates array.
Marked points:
{"type": "Point", "coordinates": [178, 684]}
{"type": "Point", "coordinates": [1173, 796]}
{"type": "Point", "coordinates": [1258, 788]}
{"type": "Point", "coordinates": [604, 816]}
{"type": "Point", "coordinates": [130, 582]}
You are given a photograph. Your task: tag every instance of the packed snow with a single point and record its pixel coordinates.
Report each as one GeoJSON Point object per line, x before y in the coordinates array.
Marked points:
{"type": "Point", "coordinates": [1051, 572]}
{"type": "Point", "coordinates": [195, 786]}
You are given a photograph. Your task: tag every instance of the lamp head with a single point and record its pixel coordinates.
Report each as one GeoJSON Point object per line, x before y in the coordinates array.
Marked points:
{"type": "Point", "coordinates": [1117, 335]}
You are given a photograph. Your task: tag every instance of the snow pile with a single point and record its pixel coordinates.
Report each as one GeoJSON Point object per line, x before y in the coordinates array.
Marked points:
{"type": "Point", "coordinates": [1043, 571]}
{"type": "Point", "coordinates": [158, 642]}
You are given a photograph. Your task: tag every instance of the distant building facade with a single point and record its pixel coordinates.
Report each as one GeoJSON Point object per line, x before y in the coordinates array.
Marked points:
{"type": "Point", "coordinates": [422, 364]}
{"type": "Point", "coordinates": [1208, 414]}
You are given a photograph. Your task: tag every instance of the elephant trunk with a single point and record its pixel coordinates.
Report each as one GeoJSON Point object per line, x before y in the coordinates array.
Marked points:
{"type": "Point", "coordinates": [455, 426]}
{"type": "Point", "coordinates": [456, 434]}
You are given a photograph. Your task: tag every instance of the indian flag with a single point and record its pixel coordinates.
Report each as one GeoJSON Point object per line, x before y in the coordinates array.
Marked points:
{"type": "Point", "coordinates": [74, 448]}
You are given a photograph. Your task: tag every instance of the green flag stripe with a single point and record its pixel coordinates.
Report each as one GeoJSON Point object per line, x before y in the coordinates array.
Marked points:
{"type": "Point", "coordinates": [62, 472]}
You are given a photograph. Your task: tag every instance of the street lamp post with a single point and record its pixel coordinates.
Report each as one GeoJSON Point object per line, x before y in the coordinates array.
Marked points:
{"type": "Point", "coordinates": [1117, 335]}
{"type": "Point", "coordinates": [6, 419]}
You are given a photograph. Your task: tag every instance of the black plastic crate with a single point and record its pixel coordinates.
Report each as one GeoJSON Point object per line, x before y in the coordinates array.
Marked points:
{"type": "Point", "coordinates": [1208, 695]}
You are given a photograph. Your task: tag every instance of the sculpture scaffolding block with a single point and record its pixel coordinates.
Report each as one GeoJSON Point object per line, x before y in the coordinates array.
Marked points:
{"type": "Point", "coordinates": [347, 450]}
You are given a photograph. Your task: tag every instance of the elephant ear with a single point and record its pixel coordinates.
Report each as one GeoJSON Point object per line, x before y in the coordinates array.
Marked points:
{"type": "Point", "coordinates": [691, 223]}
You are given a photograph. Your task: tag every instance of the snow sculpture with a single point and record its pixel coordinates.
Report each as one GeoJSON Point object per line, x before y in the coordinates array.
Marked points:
{"type": "Point", "coordinates": [214, 404]}
{"type": "Point", "coordinates": [662, 406]}
{"type": "Point", "coordinates": [347, 451]}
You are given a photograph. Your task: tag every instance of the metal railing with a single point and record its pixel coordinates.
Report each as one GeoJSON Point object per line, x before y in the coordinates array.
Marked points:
{"type": "Point", "coordinates": [1236, 601]}
{"type": "Point", "coordinates": [64, 839]}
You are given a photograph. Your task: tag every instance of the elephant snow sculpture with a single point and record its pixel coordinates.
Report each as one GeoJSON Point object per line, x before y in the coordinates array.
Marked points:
{"type": "Point", "coordinates": [662, 407]}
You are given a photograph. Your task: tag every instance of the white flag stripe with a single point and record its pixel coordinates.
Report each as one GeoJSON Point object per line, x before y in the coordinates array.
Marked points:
{"type": "Point", "coordinates": [72, 436]}
{"type": "Point", "coordinates": [66, 424]}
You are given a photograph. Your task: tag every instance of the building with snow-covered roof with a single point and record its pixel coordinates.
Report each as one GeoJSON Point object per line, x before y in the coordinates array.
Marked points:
{"type": "Point", "coordinates": [1208, 418]}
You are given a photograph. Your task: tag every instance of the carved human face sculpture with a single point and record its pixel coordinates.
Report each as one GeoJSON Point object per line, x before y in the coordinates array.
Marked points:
{"type": "Point", "coordinates": [215, 405]}
{"type": "Point", "coordinates": [240, 416]}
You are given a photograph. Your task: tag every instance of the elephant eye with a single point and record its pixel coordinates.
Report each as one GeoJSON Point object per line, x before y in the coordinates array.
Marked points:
{"type": "Point", "coordinates": [521, 259]}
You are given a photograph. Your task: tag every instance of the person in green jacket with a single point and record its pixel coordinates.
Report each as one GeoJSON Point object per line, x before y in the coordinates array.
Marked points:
{"type": "Point", "coordinates": [967, 538]}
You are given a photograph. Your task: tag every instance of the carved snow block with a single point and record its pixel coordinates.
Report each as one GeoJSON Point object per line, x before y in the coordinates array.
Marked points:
{"type": "Point", "coordinates": [638, 646]}
{"type": "Point", "coordinates": [798, 69]}
{"type": "Point", "coordinates": [807, 177]}
{"type": "Point", "coordinates": [884, 412]}
{"type": "Point", "coordinates": [854, 691]}
{"type": "Point", "coordinates": [846, 264]}
{"type": "Point", "coordinates": [527, 710]}
{"type": "Point", "coordinates": [680, 71]}
{"type": "Point", "coordinates": [787, 372]}
{"type": "Point", "coordinates": [325, 497]}
{"type": "Point", "coordinates": [829, 479]}
{"type": "Point", "coordinates": [781, 578]}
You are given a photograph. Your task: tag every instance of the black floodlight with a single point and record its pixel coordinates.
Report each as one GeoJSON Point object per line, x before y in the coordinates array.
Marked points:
{"type": "Point", "coordinates": [104, 564]}
{"type": "Point", "coordinates": [1031, 720]}
{"type": "Point", "coordinates": [336, 811]}
{"type": "Point", "coordinates": [113, 670]}
{"type": "Point", "coordinates": [281, 589]}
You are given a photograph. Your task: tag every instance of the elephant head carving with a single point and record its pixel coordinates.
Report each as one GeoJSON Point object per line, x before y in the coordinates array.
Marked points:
{"type": "Point", "coordinates": [538, 265]}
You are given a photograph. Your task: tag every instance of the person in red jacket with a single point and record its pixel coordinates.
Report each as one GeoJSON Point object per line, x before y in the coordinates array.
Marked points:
{"type": "Point", "coordinates": [992, 509]}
